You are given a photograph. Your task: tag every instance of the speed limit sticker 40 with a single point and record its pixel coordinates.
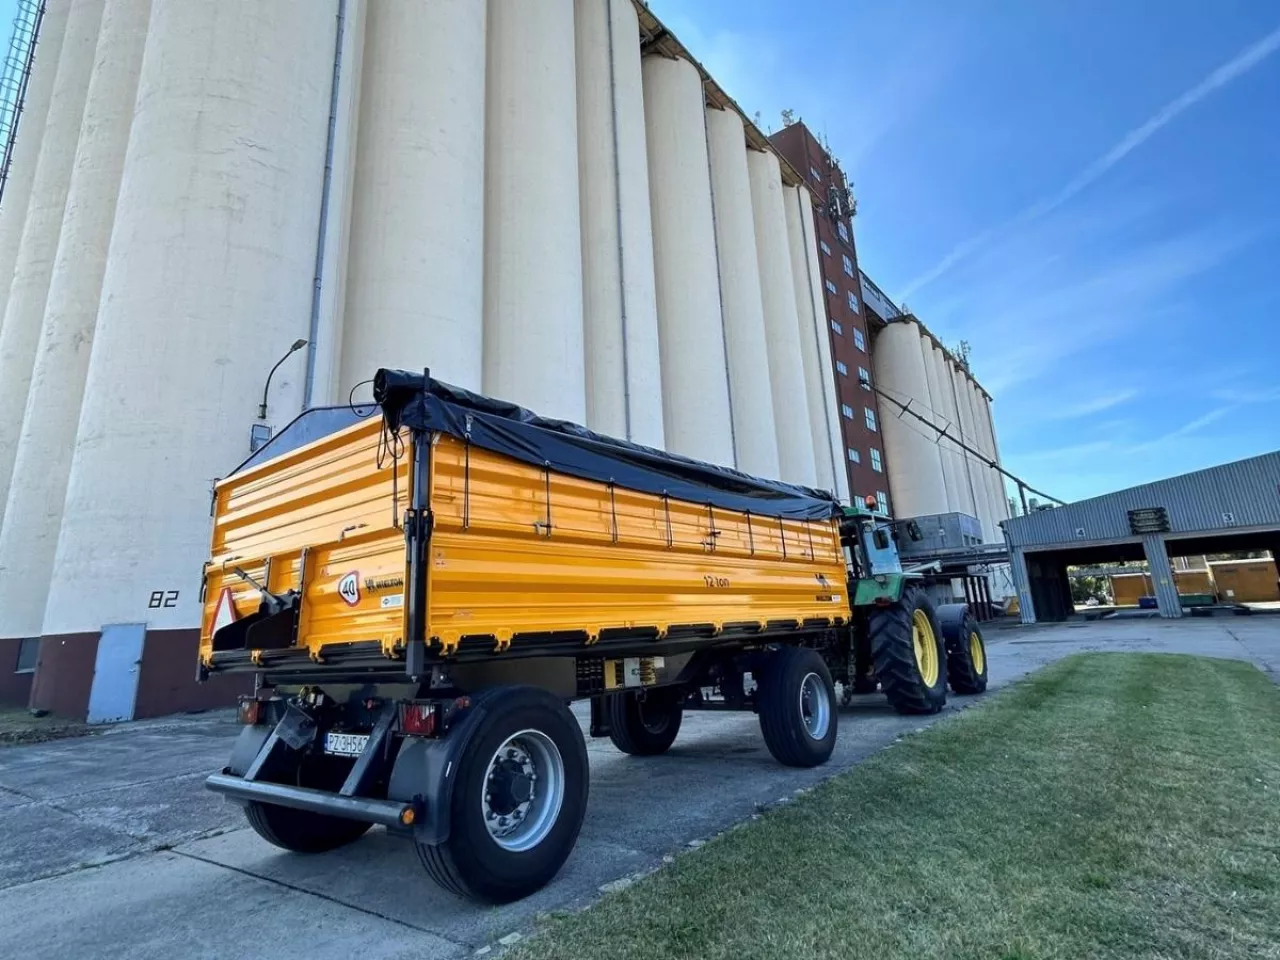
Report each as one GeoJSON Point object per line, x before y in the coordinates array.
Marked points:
{"type": "Point", "coordinates": [349, 588]}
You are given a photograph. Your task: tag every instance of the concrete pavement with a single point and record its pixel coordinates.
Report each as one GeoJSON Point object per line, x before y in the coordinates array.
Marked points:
{"type": "Point", "coordinates": [111, 847]}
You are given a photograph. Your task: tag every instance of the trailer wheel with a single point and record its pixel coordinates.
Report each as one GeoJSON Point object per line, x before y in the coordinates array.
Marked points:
{"type": "Point", "coordinates": [518, 799]}
{"type": "Point", "coordinates": [966, 650]}
{"type": "Point", "coordinates": [797, 704]}
{"type": "Point", "coordinates": [302, 831]}
{"type": "Point", "coordinates": [909, 653]}
{"type": "Point", "coordinates": [645, 727]}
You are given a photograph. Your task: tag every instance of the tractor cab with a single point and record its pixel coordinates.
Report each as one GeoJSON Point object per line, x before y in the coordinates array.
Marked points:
{"type": "Point", "coordinates": [870, 541]}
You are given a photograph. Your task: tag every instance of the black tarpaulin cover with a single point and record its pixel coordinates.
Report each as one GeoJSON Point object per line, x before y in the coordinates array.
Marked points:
{"type": "Point", "coordinates": [421, 403]}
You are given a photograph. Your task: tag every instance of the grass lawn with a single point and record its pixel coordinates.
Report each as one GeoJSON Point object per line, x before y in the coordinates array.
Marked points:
{"type": "Point", "coordinates": [19, 726]}
{"type": "Point", "coordinates": [1112, 805]}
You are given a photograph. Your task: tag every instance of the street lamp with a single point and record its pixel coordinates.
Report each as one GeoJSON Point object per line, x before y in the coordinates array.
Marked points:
{"type": "Point", "coordinates": [262, 407]}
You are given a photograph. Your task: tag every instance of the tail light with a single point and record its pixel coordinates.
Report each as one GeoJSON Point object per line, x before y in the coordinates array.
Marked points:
{"type": "Point", "coordinates": [251, 711]}
{"type": "Point", "coordinates": [421, 719]}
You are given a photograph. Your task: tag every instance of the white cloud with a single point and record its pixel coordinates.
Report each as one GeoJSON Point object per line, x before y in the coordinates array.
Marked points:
{"type": "Point", "coordinates": [1093, 405]}
{"type": "Point", "coordinates": [1237, 66]}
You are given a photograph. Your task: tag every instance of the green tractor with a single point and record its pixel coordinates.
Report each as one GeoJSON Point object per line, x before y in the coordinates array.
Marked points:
{"type": "Point", "coordinates": [900, 642]}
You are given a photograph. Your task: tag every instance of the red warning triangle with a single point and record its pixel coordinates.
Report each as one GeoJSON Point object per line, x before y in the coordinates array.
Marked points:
{"type": "Point", "coordinates": [225, 613]}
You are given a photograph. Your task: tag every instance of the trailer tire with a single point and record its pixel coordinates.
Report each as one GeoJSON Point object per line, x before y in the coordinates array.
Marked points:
{"type": "Point", "coordinates": [797, 703]}
{"type": "Point", "coordinates": [302, 831]}
{"type": "Point", "coordinates": [966, 649]}
{"type": "Point", "coordinates": [535, 733]}
{"type": "Point", "coordinates": [648, 727]}
{"type": "Point", "coordinates": [909, 654]}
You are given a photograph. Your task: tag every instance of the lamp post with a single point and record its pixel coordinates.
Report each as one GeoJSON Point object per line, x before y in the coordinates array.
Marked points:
{"type": "Point", "coordinates": [262, 407]}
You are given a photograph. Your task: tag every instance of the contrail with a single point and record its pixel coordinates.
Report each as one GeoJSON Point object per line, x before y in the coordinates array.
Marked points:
{"type": "Point", "coordinates": [1239, 65]}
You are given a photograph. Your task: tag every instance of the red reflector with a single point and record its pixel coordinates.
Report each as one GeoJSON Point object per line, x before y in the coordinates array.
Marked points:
{"type": "Point", "coordinates": [418, 719]}
{"type": "Point", "coordinates": [251, 712]}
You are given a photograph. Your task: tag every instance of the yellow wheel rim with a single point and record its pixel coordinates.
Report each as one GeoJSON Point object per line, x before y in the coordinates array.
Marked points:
{"type": "Point", "coordinates": [976, 653]}
{"type": "Point", "coordinates": [926, 647]}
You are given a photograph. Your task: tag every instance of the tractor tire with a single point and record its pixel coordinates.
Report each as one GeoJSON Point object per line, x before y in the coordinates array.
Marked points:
{"type": "Point", "coordinates": [797, 704]}
{"type": "Point", "coordinates": [966, 650]}
{"type": "Point", "coordinates": [518, 799]}
{"type": "Point", "coordinates": [302, 831]}
{"type": "Point", "coordinates": [645, 727]}
{"type": "Point", "coordinates": [909, 653]}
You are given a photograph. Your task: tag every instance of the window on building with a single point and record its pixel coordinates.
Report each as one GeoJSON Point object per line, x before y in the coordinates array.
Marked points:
{"type": "Point", "coordinates": [846, 411]}
{"type": "Point", "coordinates": [853, 301]}
{"type": "Point", "coordinates": [876, 463]}
{"type": "Point", "coordinates": [882, 501]}
{"type": "Point", "coordinates": [826, 247]}
{"type": "Point", "coordinates": [869, 416]}
{"type": "Point", "coordinates": [843, 231]}
{"type": "Point", "coordinates": [835, 325]}
{"type": "Point", "coordinates": [859, 340]}
{"type": "Point", "coordinates": [27, 651]}
{"type": "Point", "coordinates": [864, 378]}
{"type": "Point", "coordinates": [841, 368]}
{"type": "Point", "coordinates": [854, 457]}
{"type": "Point", "coordinates": [813, 172]}
{"type": "Point", "coordinates": [848, 266]}
{"type": "Point", "coordinates": [831, 287]}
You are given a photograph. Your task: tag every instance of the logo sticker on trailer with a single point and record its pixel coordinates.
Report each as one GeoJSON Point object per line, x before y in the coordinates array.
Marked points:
{"type": "Point", "coordinates": [349, 588]}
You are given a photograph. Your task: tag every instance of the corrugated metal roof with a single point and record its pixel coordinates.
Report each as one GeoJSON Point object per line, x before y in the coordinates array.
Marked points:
{"type": "Point", "coordinates": [1235, 495]}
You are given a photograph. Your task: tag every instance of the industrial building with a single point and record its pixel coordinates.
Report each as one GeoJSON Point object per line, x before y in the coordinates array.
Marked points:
{"type": "Point", "coordinates": [220, 214]}
{"type": "Point", "coordinates": [1224, 509]}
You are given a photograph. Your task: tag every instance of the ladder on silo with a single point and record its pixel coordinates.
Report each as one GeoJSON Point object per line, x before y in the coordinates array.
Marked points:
{"type": "Point", "coordinates": [16, 75]}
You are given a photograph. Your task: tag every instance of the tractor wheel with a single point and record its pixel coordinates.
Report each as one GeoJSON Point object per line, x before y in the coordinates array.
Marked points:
{"type": "Point", "coordinates": [909, 654]}
{"type": "Point", "coordinates": [966, 650]}
{"type": "Point", "coordinates": [645, 727]}
{"type": "Point", "coordinates": [797, 704]}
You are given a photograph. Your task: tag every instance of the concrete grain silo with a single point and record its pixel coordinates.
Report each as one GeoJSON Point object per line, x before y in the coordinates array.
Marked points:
{"type": "Point", "coordinates": [959, 484]}
{"type": "Point", "coordinates": [989, 429]}
{"type": "Point", "coordinates": [533, 321]}
{"type": "Point", "coordinates": [229, 130]}
{"type": "Point", "coordinates": [695, 389]}
{"type": "Point", "coordinates": [937, 415]}
{"type": "Point", "coordinates": [622, 366]}
{"type": "Point", "coordinates": [916, 481]}
{"type": "Point", "coordinates": [415, 274]}
{"type": "Point", "coordinates": [977, 467]}
{"type": "Point", "coordinates": [29, 535]}
{"type": "Point", "coordinates": [782, 326]}
{"type": "Point", "coordinates": [26, 151]}
{"type": "Point", "coordinates": [24, 311]}
{"type": "Point", "coordinates": [815, 343]}
{"type": "Point", "coordinates": [746, 343]}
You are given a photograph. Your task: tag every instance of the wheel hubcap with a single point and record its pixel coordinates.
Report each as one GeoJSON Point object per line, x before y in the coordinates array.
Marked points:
{"type": "Point", "coordinates": [976, 653]}
{"type": "Point", "coordinates": [926, 647]}
{"type": "Point", "coordinates": [815, 706]}
{"type": "Point", "coordinates": [523, 790]}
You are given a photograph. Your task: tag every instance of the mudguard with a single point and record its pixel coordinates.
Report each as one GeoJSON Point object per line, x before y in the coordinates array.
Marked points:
{"type": "Point", "coordinates": [425, 771]}
{"type": "Point", "coordinates": [951, 618]}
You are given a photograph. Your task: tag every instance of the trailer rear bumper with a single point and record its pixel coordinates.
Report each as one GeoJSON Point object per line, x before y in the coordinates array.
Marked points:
{"type": "Point", "coordinates": [388, 813]}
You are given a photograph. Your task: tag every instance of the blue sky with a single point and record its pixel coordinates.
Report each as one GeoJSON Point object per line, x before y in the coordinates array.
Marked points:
{"type": "Point", "coordinates": [1087, 192]}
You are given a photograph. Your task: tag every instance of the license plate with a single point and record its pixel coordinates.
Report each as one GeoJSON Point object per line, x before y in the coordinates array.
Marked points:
{"type": "Point", "coordinates": [345, 744]}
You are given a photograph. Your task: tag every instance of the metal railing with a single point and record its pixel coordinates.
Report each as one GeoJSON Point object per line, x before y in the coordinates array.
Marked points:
{"type": "Point", "coordinates": [15, 77]}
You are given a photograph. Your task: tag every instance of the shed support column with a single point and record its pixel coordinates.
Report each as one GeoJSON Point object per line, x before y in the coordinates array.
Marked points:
{"type": "Point", "coordinates": [1018, 566]}
{"type": "Point", "coordinates": [1162, 576]}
